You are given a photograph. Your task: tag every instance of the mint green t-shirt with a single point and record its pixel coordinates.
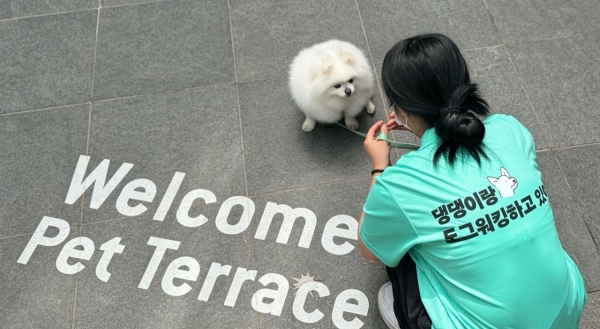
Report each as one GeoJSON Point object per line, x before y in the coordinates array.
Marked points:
{"type": "Point", "coordinates": [482, 237]}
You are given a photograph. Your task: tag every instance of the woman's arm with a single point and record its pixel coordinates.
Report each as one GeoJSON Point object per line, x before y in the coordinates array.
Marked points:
{"type": "Point", "coordinates": [364, 251]}
{"type": "Point", "coordinates": [379, 153]}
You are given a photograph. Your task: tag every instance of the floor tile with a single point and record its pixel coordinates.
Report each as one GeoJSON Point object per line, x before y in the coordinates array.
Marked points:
{"type": "Point", "coordinates": [39, 150]}
{"type": "Point", "coordinates": [572, 230]}
{"type": "Point", "coordinates": [535, 20]}
{"type": "Point", "coordinates": [119, 302]}
{"type": "Point", "coordinates": [591, 312]}
{"type": "Point", "coordinates": [561, 80]}
{"type": "Point", "coordinates": [492, 70]}
{"type": "Point", "coordinates": [24, 8]}
{"type": "Point", "coordinates": [334, 267]}
{"type": "Point", "coordinates": [468, 22]}
{"type": "Point", "coordinates": [162, 46]}
{"type": "Point", "coordinates": [114, 3]}
{"type": "Point", "coordinates": [46, 61]}
{"type": "Point", "coordinates": [268, 35]}
{"type": "Point", "coordinates": [580, 166]}
{"type": "Point", "coordinates": [280, 155]}
{"type": "Point", "coordinates": [34, 294]}
{"type": "Point", "coordinates": [195, 132]}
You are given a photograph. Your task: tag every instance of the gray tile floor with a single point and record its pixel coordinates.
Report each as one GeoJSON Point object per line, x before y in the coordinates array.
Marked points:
{"type": "Point", "coordinates": [182, 100]}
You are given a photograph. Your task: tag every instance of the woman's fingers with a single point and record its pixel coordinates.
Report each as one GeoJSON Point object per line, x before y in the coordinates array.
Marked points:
{"type": "Point", "coordinates": [384, 128]}
{"type": "Point", "coordinates": [372, 133]}
{"type": "Point", "coordinates": [392, 125]}
{"type": "Point", "coordinates": [378, 152]}
{"type": "Point", "coordinates": [383, 134]}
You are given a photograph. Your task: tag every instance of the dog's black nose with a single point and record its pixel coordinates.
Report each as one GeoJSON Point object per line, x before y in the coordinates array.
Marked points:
{"type": "Point", "coordinates": [347, 91]}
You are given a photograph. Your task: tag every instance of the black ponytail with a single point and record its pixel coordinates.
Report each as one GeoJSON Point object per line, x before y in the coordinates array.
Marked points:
{"type": "Point", "coordinates": [459, 127]}
{"type": "Point", "coordinates": [427, 76]}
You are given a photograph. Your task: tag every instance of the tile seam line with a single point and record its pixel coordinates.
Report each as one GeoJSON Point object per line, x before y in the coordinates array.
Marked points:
{"type": "Point", "coordinates": [576, 201]}
{"type": "Point", "coordinates": [487, 8]}
{"type": "Point", "coordinates": [244, 170]}
{"type": "Point", "coordinates": [524, 88]}
{"type": "Point", "coordinates": [95, 50]}
{"type": "Point", "coordinates": [115, 219]}
{"type": "Point", "coordinates": [263, 79]}
{"type": "Point", "coordinates": [48, 14]}
{"type": "Point", "coordinates": [78, 10]}
{"type": "Point", "coordinates": [126, 218]}
{"type": "Point", "coordinates": [575, 146]}
{"type": "Point", "coordinates": [134, 4]}
{"type": "Point", "coordinates": [553, 38]}
{"type": "Point", "coordinates": [164, 92]}
{"type": "Point", "coordinates": [115, 99]}
{"type": "Point", "coordinates": [87, 152]}
{"type": "Point", "coordinates": [308, 187]}
{"type": "Point", "coordinates": [43, 109]}
{"type": "Point", "coordinates": [374, 68]}
{"type": "Point", "coordinates": [75, 300]}
{"type": "Point", "coordinates": [30, 233]}
{"type": "Point", "coordinates": [485, 47]}
{"type": "Point", "coordinates": [549, 149]}
{"type": "Point", "coordinates": [376, 76]}
{"type": "Point", "coordinates": [89, 128]}
{"type": "Point", "coordinates": [76, 278]}
{"type": "Point", "coordinates": [80, 236]}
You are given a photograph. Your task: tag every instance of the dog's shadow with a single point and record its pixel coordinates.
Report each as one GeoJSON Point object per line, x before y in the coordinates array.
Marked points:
{"type": "Point", "coordinates": [330, 144]}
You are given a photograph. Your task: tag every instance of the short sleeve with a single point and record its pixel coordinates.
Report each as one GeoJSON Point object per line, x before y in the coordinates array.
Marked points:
{"type": "Point", "coordinates": [385, 230]}
{"type": "Point", "coordinates": [512, 124]}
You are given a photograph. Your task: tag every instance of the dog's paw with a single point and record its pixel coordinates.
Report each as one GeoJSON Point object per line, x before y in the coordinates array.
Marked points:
{"type": "Point", "coordinates": [351, 123]}
{"type": "Point", "coordinates": [308, 125]}
{"type": "Point", "coordinates": [370, 107]}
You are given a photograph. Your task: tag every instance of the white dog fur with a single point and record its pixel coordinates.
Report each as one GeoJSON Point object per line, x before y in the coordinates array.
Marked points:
{"type": "Point", "coordinates": [318, 70]}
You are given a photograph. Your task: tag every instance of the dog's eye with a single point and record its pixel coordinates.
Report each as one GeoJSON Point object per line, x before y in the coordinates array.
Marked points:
{"type": "Point", "coordinates": [350, 81]}
{"type": "Point", "coordinates": [337, 86]}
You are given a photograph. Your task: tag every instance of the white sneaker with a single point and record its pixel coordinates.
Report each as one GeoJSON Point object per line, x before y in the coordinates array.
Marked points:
{"type": "Point", "coordinates": [385, 301]}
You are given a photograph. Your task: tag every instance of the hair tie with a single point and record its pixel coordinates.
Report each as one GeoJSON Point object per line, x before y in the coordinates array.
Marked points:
{"type": "Point", "coordinates": [449, 109]}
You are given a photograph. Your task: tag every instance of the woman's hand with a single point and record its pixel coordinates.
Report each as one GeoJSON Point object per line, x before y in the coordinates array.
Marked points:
{"type": "Point", "coordinates": [392, 124]}
{"type": "Point", "coordinates": [378, 150]}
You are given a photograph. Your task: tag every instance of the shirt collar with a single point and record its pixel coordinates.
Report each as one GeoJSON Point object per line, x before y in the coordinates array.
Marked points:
{"type": "Point", "coordinates": [429, 136]}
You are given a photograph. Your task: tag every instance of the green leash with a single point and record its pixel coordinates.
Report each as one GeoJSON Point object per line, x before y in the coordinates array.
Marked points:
{"type": "Point", "coordinates": [392, 143]}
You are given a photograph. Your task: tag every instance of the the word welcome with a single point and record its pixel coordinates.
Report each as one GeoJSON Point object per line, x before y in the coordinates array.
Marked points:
{"type": "Point", "coordinates": [144, 190]}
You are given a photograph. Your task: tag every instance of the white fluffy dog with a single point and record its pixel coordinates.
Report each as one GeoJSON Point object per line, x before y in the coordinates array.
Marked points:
{"type": "Point", "coordinates": [331, 80]}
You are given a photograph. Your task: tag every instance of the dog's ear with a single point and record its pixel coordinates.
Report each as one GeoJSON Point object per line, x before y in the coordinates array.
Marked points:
{"type": "Point", "coordinates": [324, 68]}
{"type": "Point", "coordinates": [493, 180]}
{"type": "Point", "coordinates": [504, 172]}
{"type": "Point", "coordinates": [314, 74]}
{"type": "Point", "coordinates": [348, 59]}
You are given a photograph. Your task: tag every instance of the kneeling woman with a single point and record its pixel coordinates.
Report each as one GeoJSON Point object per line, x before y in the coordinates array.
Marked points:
{"type": "Point", "coordinates": [463, 223]}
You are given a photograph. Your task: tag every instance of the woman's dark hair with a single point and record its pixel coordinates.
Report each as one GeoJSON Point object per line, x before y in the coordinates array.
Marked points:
{"type": "Point", "coordinates": [427, 76]}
